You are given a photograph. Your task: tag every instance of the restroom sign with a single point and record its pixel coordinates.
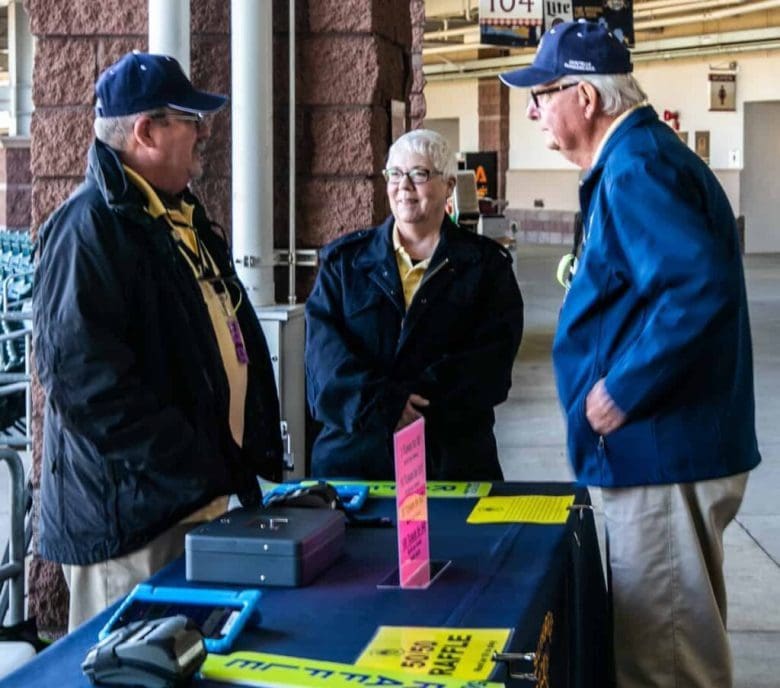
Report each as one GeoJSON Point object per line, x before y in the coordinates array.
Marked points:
{"type": "Point", "coordinates": [723, 92]}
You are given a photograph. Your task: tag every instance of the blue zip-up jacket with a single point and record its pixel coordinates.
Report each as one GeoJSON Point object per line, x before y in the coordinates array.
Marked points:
{"type": "Point", "coordinates": [657, 307]}
{"type": "Point", "coordinates": [365, 353]}
{"type": "Point", "coordinates": [136, 433]}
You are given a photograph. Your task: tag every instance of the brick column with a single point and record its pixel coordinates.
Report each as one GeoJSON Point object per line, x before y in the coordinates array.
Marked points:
{"type": "Point", "coordinates": [15, 182]}
{"type": "Point", "coordinates": [417, 97]}
{"type": "Point", "coordinates": [353, 59]}
{"type": "Point", "coordinates": [494, 125]}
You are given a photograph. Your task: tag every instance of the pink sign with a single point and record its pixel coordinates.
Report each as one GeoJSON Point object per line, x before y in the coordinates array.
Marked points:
{"type": "Point", "coordinates": [414, 560]}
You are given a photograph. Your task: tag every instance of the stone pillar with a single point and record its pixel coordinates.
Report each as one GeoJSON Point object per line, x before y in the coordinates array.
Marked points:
{"type": "Point", "coordinates": [417, 97]}
{"type": "Point", "coordinates": [210, 71]}
{"type": "Point", "coordinates": [494, 125]}
{"type": "Point", "coordinates": [15, 183]}
{"type": "Point", "coordinates": [352, 59]}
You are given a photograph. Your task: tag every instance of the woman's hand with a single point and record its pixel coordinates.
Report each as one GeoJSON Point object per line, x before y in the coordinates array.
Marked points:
{"type": "Point", "coordinates": [410, 412]}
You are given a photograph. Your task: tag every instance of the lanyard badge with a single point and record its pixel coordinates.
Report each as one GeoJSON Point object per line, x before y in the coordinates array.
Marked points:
{"type": "Point", "coordinates": [238, 340]}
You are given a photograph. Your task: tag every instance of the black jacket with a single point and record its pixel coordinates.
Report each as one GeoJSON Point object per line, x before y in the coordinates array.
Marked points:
{"type": "Point", "coordinates": [136, 432]}
{"type": "Point", "coordinates": [365, 353]}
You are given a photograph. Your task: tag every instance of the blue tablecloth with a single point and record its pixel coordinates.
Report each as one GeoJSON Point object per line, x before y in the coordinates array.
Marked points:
{"type": "Point", "coordinates": [501, 575]}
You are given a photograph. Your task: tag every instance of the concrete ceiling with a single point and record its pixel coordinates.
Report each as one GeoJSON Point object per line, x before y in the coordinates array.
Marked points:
{"type": "Point", "coordinates": [665, 29]}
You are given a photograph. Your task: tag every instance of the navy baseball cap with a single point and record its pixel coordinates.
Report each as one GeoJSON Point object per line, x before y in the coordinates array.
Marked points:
{"type": "Point", "coordinates": [141, 81]}
{"type": "Point", "coordinates": [580, 47]}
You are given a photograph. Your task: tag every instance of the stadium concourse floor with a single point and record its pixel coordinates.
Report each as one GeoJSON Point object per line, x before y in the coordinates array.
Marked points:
{"type": "Point", "coordinates": [530, 434]}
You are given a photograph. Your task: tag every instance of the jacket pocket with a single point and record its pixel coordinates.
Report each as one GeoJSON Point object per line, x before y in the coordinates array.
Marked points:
{"type": "Point", "coordinates": [361, 302]}
{"type": "Point", "coordinates": [630, 454]}
{"type": "Point", "coordinates": [584, 450]}
{"type": "Point", "coordinates": [366, 319]}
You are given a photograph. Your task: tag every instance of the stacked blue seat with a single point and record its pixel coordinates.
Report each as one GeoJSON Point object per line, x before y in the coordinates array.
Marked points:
{"type": "Point", "coordinates": [16, 273]}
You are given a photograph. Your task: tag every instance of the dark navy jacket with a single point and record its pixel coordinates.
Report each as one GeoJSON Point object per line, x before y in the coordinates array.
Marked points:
{"type": "Point", "coordinates": [455, 346]}
{"type": "Point", "coordinates": [658, 307]}
{"type": "Point", "coordinates": [136, 432]}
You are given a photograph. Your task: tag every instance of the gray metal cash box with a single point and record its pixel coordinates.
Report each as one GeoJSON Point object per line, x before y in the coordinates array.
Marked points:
{"type": "Point", "coordinates": [265, 546]}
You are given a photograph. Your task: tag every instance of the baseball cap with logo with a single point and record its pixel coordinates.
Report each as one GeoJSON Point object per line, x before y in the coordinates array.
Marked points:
{"type": "Point", "coordinates": [142, 81]}
{"type": "Point", "coordinates": [579, 47]}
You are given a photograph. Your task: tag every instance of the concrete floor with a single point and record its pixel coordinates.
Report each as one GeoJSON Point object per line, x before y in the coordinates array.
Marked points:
{"type": "Point", "coordinates": [530, 433]}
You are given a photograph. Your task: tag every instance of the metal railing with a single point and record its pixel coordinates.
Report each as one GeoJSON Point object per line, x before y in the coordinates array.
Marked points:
{"type": "Point", "coordinates": [12, 565]}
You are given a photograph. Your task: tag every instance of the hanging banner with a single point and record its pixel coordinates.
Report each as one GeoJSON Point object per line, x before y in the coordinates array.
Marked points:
{"type": "Point", "coordinates": [556, 12]}
{"type": "Point", "coordinates": [512, 23]}
{"type": "Point", "coordinates": [616, 15]}
{"type": "Point", "coordinates": [520, 23]}
{"type": "Point", "coordinates": [280, 671]}
{"type": "Point", "coordinates": [435, 488]}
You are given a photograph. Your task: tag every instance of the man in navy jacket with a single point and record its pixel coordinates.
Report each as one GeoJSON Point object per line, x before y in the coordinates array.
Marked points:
{"type": "Point", "coordinates": [160, 396]}
{"type": "Point", "coordinates": [652, 357]}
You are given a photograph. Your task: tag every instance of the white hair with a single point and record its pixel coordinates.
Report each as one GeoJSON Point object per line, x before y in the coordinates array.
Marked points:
{"type": "Point", "coordinates": [432, 145]}
{"type": "Point", "coordinates": [115, 132]}
{"type": "Point", "coordinates": [618, 92]}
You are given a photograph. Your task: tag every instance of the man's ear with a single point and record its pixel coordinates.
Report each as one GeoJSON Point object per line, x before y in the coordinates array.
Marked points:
{"type": "Point", "coordinates": [588, 98]}
{"type": "Point", "coordinates": [142, 132]}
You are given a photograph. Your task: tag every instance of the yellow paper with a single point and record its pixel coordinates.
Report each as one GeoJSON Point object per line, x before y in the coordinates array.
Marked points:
{"type": "Point", "coordinates": [280, 671]}
{"type": "Point", "coordinates": [462, 653]}
{"type": "Point", "coordinates": [435, 488]}
{"type": "Point", "coordinates": [527, 509]}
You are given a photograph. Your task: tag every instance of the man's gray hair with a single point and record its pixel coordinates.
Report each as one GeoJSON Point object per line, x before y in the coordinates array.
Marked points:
{"type": "Point", "coordinates": [115, 132]}
{"type": "Point", "coordinates": [432, 145]}
{"type": "Point", "coordinates": [618, 92]}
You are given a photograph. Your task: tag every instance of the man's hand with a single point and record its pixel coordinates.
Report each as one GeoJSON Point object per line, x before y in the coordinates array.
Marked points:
{"type": "Point", "coordinates": [601, 411]}
{"type": "Point", "coordinates": [410, 413]}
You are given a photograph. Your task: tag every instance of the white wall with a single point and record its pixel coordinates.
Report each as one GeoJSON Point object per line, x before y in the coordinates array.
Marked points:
{"type": "Point", "coordinates": [446, 99]}
{"type": "Point", "coordinates": [677, 85]}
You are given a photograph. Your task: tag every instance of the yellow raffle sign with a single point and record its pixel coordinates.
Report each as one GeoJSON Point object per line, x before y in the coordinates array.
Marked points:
{"type": "Point", "coordinates": [462, 653]}
{"type": "Point", "coordinates": [528, 509]}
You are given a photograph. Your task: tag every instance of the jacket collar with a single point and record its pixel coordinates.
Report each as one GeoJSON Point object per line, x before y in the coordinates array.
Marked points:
{"type": "Point", "coordinates": [104, 169]}
{"type": "Point", "coordinates": [379, 250]}
{"type": "Point", "coordinates": [638, 117]}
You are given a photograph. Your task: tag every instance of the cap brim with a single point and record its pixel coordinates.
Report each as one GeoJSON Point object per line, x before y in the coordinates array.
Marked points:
{"type": "Point", "coordinates": [528, 76]}
{"type": "Point", "coordinates": [199, 101]}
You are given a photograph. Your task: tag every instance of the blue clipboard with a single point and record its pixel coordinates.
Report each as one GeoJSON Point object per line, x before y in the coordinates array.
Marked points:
{"type": "Point", "coordinates": [221, 615]}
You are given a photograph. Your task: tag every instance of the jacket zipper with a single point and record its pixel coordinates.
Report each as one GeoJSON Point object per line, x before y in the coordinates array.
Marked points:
{"type": "Point", "coordinates": [426, 278]}
{"type": "Point", "coordinates": [429, 276]}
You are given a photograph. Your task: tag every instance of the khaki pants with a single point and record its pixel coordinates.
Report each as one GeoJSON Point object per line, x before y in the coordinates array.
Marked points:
{"type": "Point", "coordinates": [97, 586]}
{"type": "Point", "coordinates": [665, 575]}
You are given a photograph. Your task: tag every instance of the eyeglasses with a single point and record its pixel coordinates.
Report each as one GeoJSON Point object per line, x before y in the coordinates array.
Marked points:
{"type": "Point", "coordinates": [553, 89]}
{"type": "Point", "coordinates": [417, 175]}
{"type": "Point", "coordinates": [197, 118]}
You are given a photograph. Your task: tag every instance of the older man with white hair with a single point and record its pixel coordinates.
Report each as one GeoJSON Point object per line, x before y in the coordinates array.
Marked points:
{"type": "Point", "coordinates": [652, 357]}
{"type": "Point", "coordinates": [160, 393]}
